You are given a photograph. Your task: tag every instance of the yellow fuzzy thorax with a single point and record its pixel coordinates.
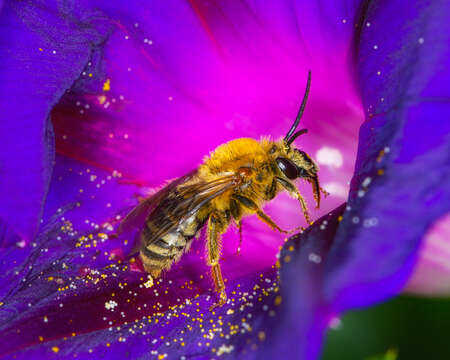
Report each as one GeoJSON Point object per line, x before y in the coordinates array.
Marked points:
{"type": "Point", "coordinates": [235, 153]}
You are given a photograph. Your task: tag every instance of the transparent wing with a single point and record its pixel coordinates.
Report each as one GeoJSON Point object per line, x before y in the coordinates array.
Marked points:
{"type": "Point", "coordinates": [177, 202]}
{"type": "Point", "coordinates": [183, 203]}
{"type": "Point", "coordinates": [135, 218]}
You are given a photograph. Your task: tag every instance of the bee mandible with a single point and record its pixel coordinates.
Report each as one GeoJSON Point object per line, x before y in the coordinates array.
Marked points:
{"type": "Point", "coordinates": [234, 181]}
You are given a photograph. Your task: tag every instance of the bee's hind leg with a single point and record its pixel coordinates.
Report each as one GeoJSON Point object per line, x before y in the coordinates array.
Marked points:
{"type": "Point", "coordinates": [216, 225]}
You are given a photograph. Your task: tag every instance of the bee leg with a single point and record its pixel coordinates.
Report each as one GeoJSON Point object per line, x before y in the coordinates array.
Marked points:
{"type": "Point", "coordinates": [261, 214]}
{"type": "Point", "coordinates": [323, 191]}
{"type": "Point", "coordinates": [296, 194]}
{"type": "Point", "coordinates": [266, 219]}
{"type": "Point", "coordinates": [303, 205]}
{"type": "Point", "coordinates": [220, 287]}
{"type": "Point", "coordinates": [240, 237]}
{"type": "Point", "coordinates": [236, 213]}
{"type": "Point", "coordinates": [215, 228]}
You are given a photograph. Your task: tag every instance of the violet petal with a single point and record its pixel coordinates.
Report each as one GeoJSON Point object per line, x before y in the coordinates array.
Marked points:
{"type": "Point", "coordinates": [401, 182]}
{"type": "Point", "coordinates": [43, 52]}
{"type": "Point", "coordinates": [303, 316]}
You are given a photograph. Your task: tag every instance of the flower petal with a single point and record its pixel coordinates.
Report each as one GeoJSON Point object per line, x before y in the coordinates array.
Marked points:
{"type": "Point", "coordinates": [39, 64]}
{"type": "Point", "coordinates": [303, 317]}
{"type": "Point", "coordinates": [401, 181]}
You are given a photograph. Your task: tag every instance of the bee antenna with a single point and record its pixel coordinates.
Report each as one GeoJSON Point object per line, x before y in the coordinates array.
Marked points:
{"type": "Point", "coordinates": [288, 139]}
{"type": "Point", "coordinates": [296, 135]}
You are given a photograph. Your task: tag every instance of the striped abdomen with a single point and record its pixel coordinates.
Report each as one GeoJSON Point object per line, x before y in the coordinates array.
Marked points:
{"type": "Point", "coordinates": [159, 254]}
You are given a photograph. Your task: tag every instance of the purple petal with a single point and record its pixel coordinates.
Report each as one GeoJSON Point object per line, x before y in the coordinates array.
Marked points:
{"type": "Point", "coordinates": [42, 53]}
{"type": "Point", "coordinates": [303, 317]}
{"type": "Point", "coordinates": [400, 186]}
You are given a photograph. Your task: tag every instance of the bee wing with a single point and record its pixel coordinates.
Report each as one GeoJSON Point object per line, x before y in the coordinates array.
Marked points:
{"type": "Point", "coordinates": [135, 218]}
{"type": "Point", "coordinates": [183, 202]}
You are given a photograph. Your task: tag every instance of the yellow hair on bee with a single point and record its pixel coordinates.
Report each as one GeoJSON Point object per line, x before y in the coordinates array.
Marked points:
{"type": "Point", "coordinates": [234, 154]}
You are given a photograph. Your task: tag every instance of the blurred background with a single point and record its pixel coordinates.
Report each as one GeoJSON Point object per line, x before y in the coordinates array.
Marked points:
{"type": "Point", "coordinates": [406, 327]}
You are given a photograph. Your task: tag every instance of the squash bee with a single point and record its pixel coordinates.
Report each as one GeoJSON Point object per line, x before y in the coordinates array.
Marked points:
{"type": "Point", "coordinates": [234, 181]}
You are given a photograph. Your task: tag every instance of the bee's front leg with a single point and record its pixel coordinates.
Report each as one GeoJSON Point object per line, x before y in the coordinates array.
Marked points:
{"type": "Point", "coordinates": [296, 194]}
{"type": "Point", "coordinates": [251, 205]}
{"type": "Point", "coordinates": [216, 225]}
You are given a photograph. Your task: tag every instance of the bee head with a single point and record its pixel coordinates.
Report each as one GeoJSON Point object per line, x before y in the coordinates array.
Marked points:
{"type": "Point", "coordinates": [296, 163]}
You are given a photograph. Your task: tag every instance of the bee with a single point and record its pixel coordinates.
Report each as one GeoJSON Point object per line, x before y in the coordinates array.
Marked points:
{"type": "Point", "coordinates": [233, 182]}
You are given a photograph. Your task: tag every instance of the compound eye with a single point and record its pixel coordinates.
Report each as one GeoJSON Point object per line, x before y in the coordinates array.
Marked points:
{"type": "Point", "coordinates": [287, 167]}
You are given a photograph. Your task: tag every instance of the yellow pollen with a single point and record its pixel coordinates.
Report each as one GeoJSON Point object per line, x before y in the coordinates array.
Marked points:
{"type": "Point", "coordinates": [107, 85]}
